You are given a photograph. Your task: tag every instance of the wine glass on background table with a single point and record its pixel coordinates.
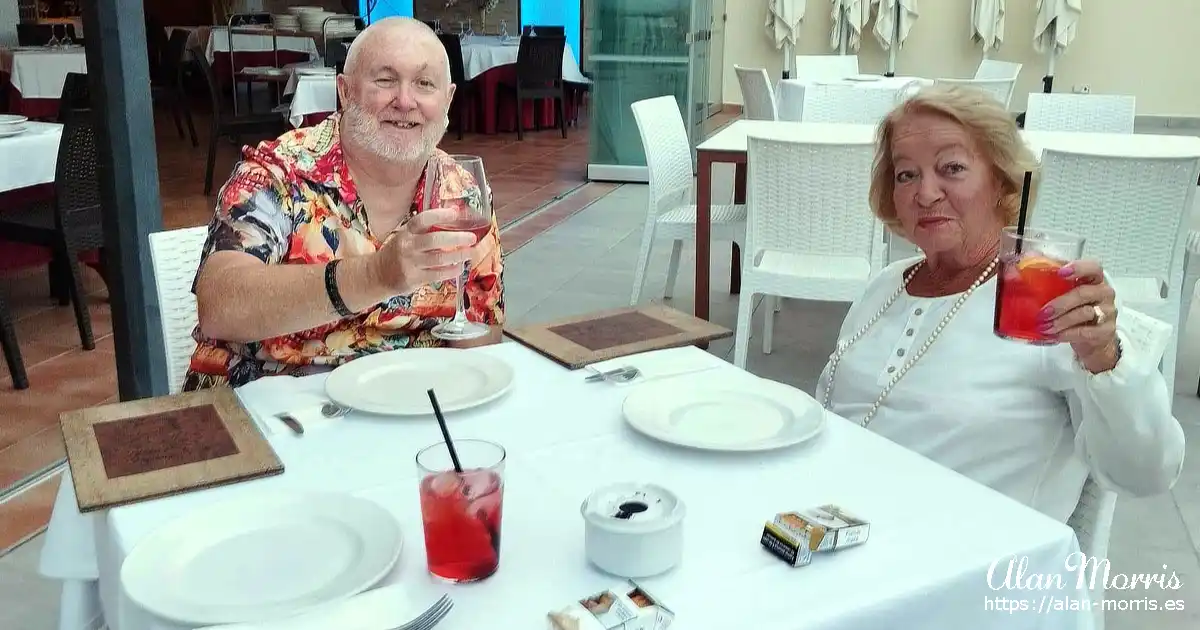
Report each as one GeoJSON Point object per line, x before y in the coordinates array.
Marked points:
{"type": "Point", "coordinates": [472, 200]}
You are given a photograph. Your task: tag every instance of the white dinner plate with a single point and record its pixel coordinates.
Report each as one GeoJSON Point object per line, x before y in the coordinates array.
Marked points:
{"type": "Point", "coordinates": [12, 119]}
{"type": "Point", "coordinates": [865, 77]}
{"type": "Point", "coordinates": [730, 414]}
{"type": "Point", "coordinates": [11, 130]}
{"type": "Point", "coordinates": [262, 557]}
{"type": "Point", "coordinates": [396, 383]}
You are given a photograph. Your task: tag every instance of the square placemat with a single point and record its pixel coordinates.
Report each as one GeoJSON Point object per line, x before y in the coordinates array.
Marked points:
{"type": "Point", "coordinates": [144, 449]}
{"type": "Point", "coordinates": [582, 340]}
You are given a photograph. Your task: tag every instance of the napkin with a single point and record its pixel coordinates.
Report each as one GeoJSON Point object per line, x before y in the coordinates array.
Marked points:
{"type": "Point", "coordinates": [660, 364]}
{"type": "Point", "coordinates": [383, 608]}
{"type": "Point", "coordinates": [300, 397]}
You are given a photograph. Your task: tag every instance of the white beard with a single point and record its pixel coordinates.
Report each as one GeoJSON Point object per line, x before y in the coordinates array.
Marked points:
{"type": "Point", "coordinates": [365, 132]}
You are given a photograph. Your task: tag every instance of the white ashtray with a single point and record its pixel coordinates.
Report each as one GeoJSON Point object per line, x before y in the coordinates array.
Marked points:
{"type": "Point", "coordinates": [633, 530]}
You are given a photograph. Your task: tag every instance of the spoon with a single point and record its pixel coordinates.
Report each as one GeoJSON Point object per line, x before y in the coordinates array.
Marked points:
{"type": "Point", "coordinates": [333, 410]}
{"type": "Point", "coordinates": [619, 375]}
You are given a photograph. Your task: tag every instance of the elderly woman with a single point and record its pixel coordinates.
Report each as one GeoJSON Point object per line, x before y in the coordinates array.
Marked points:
{"type": "Point", "coordinates": [917, 361]}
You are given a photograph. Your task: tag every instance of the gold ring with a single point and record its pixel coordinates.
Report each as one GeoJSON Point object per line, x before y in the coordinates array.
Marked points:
{"type": "Point", "coordinates": [1099, 315]}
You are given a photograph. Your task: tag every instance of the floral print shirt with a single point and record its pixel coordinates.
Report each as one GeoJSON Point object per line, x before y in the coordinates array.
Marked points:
{"type": "Point", "coordinates": [292, 201]}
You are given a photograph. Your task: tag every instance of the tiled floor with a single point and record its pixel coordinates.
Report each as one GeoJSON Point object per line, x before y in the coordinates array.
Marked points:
{"type": "Point", "coordinates": [585, 263]}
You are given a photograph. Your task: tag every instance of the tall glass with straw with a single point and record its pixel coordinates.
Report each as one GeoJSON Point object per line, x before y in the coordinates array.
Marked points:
{"type": "Point", "coordinates": [1031, 276]}
{"type": "Point", "coordinates": [460, 183]}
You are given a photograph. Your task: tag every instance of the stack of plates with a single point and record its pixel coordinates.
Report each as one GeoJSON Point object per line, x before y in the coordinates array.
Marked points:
{"type": "Point", "coordinates": [342, 27]}
{"type": "Point", "coordinates": [11, 124]}
{"type": "Point", "coordinates": [289, 22]}
{"type": "Point", "coordinates": [312, 20]}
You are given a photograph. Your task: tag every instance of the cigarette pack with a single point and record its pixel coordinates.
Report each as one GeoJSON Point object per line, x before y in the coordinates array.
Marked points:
{"type": "Point", "coordinates": [796, 536]}
{"type": "Point", "coordinates": [624, 607]}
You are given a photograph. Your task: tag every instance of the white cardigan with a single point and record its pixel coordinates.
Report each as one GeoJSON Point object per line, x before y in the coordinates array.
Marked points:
{"type": "Point", "coordinates": [1025, 420]}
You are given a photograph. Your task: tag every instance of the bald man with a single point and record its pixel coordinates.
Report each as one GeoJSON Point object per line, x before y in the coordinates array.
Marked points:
{"type": "Point", "coordinates": [320, 250]}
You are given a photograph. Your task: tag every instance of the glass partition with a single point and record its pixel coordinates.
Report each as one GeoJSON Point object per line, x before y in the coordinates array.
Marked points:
{"type": "Point", "coordinates": [641, 49]}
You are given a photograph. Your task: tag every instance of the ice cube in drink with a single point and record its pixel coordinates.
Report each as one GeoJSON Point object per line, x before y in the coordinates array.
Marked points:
{"type": "Point", "coordinates": [461, 514]}
{"type": "Point", "coordinates": [1026, 284]}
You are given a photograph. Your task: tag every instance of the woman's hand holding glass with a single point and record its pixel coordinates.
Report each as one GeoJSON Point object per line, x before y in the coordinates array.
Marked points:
{"type": "Point", "coordinates": [1086, 316]}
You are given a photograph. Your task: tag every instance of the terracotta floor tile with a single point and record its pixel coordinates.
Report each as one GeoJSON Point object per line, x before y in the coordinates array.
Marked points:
{"type": "Point", "coordinates": [26, 514]}
{"type": "Point", "coordinates": [33, 453]}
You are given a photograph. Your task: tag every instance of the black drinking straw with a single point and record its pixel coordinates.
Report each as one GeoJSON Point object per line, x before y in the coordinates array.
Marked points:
{"type": "Point", "coordinates": [1021, 215]}
{"type": "Point", "coordinates": [437, 411]}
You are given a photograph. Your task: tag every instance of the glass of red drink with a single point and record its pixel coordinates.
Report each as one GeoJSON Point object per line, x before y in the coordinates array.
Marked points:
{"type": "Point", "coordinates": [461, 185]}
{"type": "Point", "coordinates": [461, 511]}
{"type": "Point", "coordinates": [1029, 279]}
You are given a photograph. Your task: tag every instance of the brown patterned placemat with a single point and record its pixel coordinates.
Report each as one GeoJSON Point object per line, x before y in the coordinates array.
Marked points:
{"type": "Point", "coordinates": [596, 337]}
{"type": "Point", "coordinates": [145, 449]}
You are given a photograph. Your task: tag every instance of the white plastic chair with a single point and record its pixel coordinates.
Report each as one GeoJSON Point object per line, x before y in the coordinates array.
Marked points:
{"type": "Point", "coordinates": [994, 69]}
{"type": "Point", "coordinates": [1000, 89]}
{"type": "Point", "coordinates": [1092, 522]}
{"type": "Point", "coordinates": [1130, 211]}
{"type": "Point", "coordinates": [175, 255]}
{"type": "Point", "coordinates": [810, 68]}
{"type": "Point", "coordinates": [809, 232]}
{"type": "Point", "coordinates": [840, 103]}
{"type": "Point", "coordinates": [758, 96]}
{"type": "Point", "coordinates": [1095, 113]}
{"type": "Point", "coordinates": [671, 213]}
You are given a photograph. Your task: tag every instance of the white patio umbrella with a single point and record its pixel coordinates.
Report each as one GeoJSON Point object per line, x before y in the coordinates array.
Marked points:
{"type": "Point", "coordinates": [783, 26]}
{"type": "Point", "coordinates": [893, 20]}
{"type": "Point", "coordinates": [987, 24]}
{"type": "Point", "coordinates": [1054, 30]}
{"type": "Point", "coordinates": [850, 19]}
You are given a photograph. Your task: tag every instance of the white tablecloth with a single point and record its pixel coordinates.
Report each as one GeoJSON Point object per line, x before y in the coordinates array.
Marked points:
{"type": "Point", "coordinates": [218, 41]}
{"type": "Point", "coordinates": [789, 93]}
{"type": "Point", "coordinates": [41, 72]}
{"type": "Point", "coordinates": [933, 538]}
{"type": "Point", "coordinates": [311, 94]}
{"type": "Point", "coordinates": [482, 53]}
{"type": "Point", "coordinates": [28, 159]}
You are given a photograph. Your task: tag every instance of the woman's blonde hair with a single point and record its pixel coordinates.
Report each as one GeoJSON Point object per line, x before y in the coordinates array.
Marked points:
{"type": "Point", "coordinates": [984, 118]}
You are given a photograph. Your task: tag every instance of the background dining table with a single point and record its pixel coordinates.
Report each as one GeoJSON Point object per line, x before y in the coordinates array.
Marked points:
{"type": "Point", "coordinates": [488, 61]}
{"type": "Point", "coordinates": [934, 534]}
{"type": "Point", "coordinates": [34, 77]}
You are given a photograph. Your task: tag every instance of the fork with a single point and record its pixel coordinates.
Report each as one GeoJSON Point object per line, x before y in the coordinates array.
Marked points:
{"type": "Point", "coordinates": [430, 618]}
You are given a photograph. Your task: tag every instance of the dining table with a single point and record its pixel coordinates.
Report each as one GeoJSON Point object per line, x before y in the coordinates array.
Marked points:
{"type": "Point", "coordinates": [729, 146]}
{"type": "Point", "coordinates": [789, 93]}
{"type": "Point", "coordinates": [30, 157]}
{"type": "Point", "coordinates": [939, 547]}
{"type": "Point", "coordinates": [34, 76]}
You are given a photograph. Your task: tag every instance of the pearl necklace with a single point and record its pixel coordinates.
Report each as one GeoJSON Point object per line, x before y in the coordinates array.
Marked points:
{"type": "Point", "coordinates": [844, 346]}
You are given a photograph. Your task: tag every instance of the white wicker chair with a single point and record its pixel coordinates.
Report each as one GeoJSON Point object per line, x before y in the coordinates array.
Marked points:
{"type": "Point", "coordinates": [758, 96]}
{"type": "Point", "coordinates": [810, 68]}
{"type": "Point", "coordinates": [1092, 522]}
{"type": "Point", "coordinates": [175, 255]}
{"type": "Point", "coordinates": [671, 214]}
{"type": "Point", "coordinates": [1130, 211]}
{"type": "Point", "coordinates": [809, 234]}
{"type": "Point", "coordinates": [841, 103]}
{"type": "Point", "coordinates": [1096, 113]}
{"type": "Point", "coordinates": [993, 69]}
{"type": "Point", "coordinates": [1000, 89]}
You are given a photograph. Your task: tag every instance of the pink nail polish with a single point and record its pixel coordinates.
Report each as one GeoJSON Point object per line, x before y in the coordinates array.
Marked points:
{"type": "Point", "coordinates": [1045, 313]}
{"type": "Point", "coordinates": [1066, 271]}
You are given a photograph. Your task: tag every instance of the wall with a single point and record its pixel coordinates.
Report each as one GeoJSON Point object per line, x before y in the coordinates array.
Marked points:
{"type": "Point", "coordinates": [1144, 49]}
{"type": "Point", "coordinates": [8, 23]}
{"type": "Point", "coordinates": [565, 13]}
{"type": "Point", "coordinates": [468, 10]}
